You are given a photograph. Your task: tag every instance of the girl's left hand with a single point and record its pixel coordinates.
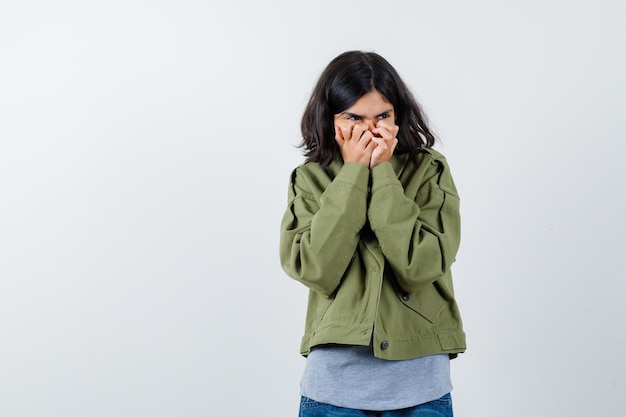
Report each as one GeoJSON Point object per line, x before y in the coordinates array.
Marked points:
{"type": "Point", "coordinates": [386, 141]}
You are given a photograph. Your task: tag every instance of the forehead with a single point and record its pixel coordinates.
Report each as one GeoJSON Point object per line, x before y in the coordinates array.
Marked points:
{"type": "Point", "coordinates": [372, 104]}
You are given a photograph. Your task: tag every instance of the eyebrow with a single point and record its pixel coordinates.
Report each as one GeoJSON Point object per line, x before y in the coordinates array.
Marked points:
{"type": "Point", "coordinates": [360, 117]}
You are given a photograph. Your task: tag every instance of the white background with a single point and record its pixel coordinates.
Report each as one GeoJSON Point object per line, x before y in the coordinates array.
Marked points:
{"type": "Point", "coordinates": [145, 148]}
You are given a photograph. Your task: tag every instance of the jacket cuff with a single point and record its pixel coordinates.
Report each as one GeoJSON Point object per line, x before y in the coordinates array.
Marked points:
{"type": "Point", "coordinates": [355, 174]}
{"type": "Point", "coordinates": [383, 175]}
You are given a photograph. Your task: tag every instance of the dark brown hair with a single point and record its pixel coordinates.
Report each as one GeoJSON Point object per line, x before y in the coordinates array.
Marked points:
{"type": "Point", "coordinates": [346, 79]}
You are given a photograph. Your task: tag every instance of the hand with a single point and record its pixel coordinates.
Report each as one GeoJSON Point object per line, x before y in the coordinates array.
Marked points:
{"type": "Point", "coordinates": [355, 142]}
{"type": "Point", "coordinates": [386, 141]}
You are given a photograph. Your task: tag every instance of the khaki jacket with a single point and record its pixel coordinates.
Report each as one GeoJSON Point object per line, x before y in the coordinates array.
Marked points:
{"type": "Point", "coordinates": [375, 248]}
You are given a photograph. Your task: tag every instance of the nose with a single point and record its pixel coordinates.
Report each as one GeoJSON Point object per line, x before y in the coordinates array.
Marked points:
{"type": "Point", "coordinates": [371, 123]}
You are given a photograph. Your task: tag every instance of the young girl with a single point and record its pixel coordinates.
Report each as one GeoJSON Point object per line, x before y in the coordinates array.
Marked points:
{"type": "Point", "coordinates": [372, 228]}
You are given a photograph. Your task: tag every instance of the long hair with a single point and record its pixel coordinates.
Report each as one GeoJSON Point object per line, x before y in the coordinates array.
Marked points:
{"type": "Point", "coordinates": [346, 79]}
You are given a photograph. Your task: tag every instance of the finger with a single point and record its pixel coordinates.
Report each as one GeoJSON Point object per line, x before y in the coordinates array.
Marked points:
{"type": "Point", "coordinates": [371, 146]}
{"type": "Point", "coordinates": [366, 138]}
{"type": "Point", "coordinates": [339, 136]}
{"type": "Point", "coordinates": [394, 143]}
{"type": "Point", "coordinates": [359, 130]}
{"type": "Point", "coordinates": [380, 143]}
{"type": "Point", "coordinates": [346, 132]}
{"type": "Point", "coordinates": [392, 127]}
{"type": "Point", "coordinates": [345, 127]}
{"type": "Point", "coordinates": [381, 132]}
{"type": "Point", "coordinates": [385, 130]}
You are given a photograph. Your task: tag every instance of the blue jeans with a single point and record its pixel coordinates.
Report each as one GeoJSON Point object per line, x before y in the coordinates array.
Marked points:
{"type": "Point", "coordinates": [441, 407]}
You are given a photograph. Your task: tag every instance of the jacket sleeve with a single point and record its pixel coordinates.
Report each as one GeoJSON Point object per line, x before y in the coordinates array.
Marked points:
{"type": "Point", "coordinates": [320, 228]}
{"type": "Point", "coordinates": [419, 238]}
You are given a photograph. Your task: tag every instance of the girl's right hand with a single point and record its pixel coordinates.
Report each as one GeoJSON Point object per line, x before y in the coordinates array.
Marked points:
{"type": "Point", "coordinates": [355, 142]}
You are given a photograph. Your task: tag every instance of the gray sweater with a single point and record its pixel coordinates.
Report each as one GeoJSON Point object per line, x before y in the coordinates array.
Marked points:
{"type": "Point", "coordinates": [352, 377]}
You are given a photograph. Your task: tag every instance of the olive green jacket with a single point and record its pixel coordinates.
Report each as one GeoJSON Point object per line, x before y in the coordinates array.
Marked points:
{"type": "Point", "coordinates": [375, 248]}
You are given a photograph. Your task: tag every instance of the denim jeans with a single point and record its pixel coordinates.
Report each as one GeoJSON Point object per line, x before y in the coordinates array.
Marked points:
{"type": "Point", "coordinates": [441, 407]}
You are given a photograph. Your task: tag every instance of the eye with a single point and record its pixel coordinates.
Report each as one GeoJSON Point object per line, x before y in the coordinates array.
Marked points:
{"type": "Point", "coordinates": [354, 117]}
{"type": "Point", "coordinates": [384, 116]}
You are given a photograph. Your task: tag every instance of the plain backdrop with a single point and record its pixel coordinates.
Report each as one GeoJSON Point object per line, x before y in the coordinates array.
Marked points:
{"type": "Point", "coordinates": [145, 151]}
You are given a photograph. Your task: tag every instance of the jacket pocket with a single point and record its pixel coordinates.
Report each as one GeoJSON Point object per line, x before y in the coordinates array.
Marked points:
{"type": "Point", "coordinates": [427, 302]}
{"type": "Point", "coordinates": [323, 308]}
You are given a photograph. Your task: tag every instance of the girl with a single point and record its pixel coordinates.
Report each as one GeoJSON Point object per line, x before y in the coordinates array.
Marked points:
{"type": "Point", "coordinates": [372, 228]}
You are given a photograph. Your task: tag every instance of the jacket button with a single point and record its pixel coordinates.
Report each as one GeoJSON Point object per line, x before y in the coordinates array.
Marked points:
{"type": "Point", "coordinates": [406, 296]}
{"type": "Point", "coordinates": [384, 345]}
